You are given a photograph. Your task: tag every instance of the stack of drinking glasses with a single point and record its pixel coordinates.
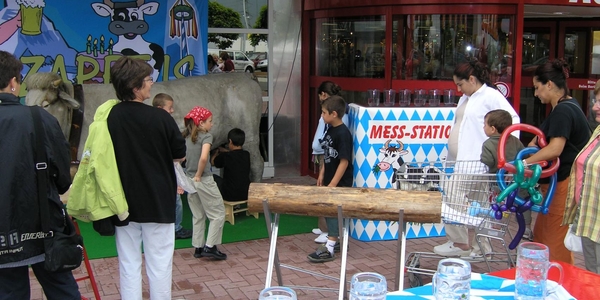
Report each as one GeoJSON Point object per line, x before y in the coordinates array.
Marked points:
{"type": "Point", "coordinates": [420, 97]}
{"type": "Point", "coordinates": [404, 97]}
{"type": "Point", "coordinates": [389, 97]}
{"type": "Point", "coordinates": [449, 97]}
{"type": "Point", "coordinates": [373, 97]}
{"type": "Point", "coordinates": [434, 97]}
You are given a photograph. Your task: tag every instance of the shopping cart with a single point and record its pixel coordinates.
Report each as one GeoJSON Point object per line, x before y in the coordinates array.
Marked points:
{"type": "Point", "coordinates": [468, 192]}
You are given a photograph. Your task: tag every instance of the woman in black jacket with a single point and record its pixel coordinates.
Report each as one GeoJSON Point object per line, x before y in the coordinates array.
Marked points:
{"type": "Point", "coordinates": [20, 230]}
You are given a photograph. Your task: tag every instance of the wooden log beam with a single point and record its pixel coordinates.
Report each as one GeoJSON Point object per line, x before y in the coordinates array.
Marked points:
{"type": "Point", "coordinates": [360, 203]}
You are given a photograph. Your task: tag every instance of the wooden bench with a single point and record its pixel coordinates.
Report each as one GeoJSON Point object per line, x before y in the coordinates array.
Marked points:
{"type": "Point", "coordinates": [230, 211]}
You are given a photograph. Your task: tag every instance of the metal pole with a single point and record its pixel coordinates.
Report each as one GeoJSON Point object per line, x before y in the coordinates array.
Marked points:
{"type": "Point", "coordinates": [401, 251]}
{"type": "Point", "coordinates": [272, 229]}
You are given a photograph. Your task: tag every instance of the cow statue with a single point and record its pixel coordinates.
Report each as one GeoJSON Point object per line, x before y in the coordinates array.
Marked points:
{"type": "Point", "coordinates": [127, 22]}
{"type": "Point", "coordinates": [49, 91]}
{"type": "Point", "coordinates": [235, 99]}
{"type": "Point", "coordinates": [390, 157]}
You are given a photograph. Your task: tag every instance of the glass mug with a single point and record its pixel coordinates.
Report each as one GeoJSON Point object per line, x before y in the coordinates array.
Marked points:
{"type": "Point", "coordinates": [277, 293]}
{"type": "Point", "coordinates": [368, 286]}
{"type": "Point", "coordinates": [434, 97]}
{"type": "Point", "coordinates": [449, 97]}
{"type": "Point", "coordinates": [373, 97]}
{"type": "Point", "coordinates": [452, 280]}
{"type": "Point", "coordinates": [532, 271]}
{"type": "Point", "coordinates": [404, 97]}
{"type": "Point", "coordinates": [420, 97]}
{"type": "Point", "coordinates": [389, 97]}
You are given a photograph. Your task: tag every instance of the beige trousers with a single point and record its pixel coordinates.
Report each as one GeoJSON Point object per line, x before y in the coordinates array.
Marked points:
{"type": "Point", "coordinates": [207, 202]}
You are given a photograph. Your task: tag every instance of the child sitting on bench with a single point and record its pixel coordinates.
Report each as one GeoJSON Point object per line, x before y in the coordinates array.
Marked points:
{"type": "Point", "coordinates": [235, 163]}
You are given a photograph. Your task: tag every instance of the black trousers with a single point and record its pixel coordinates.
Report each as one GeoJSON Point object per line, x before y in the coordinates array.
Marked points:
{"type": "Point", "coordinates": [14, 284]}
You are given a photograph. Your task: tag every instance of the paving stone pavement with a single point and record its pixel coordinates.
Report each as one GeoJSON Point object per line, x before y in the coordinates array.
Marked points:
{"type": "Point", "coordinates": [243, 274]}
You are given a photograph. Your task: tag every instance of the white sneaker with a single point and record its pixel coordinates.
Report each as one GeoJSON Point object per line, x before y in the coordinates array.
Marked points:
{"type": "Point", "coordinates": [317, 231]}
{"type": "Point", "coordinates": [322, 238]}
{"type": "Point", "coordinates": [448, 249]}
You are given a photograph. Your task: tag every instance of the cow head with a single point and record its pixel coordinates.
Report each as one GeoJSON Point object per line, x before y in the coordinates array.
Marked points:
{"type": "Point", "coordinates": [49, 91]}
{"type": "Point", "coordinates": [390, 156]}
{"type": "Point", "coordinates": [127, 18]}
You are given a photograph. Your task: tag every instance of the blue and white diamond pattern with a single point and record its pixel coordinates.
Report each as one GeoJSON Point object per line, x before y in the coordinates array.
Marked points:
{"type": "Point", "coordinates": [366, 230]}
{"type": "Point", "coordinates": [483, 287]}
{"type": "Point", "coordinates": [420, 149]}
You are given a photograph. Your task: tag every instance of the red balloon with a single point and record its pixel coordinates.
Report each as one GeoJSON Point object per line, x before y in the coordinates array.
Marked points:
{"type": "Point", "coordinates": [541, 140]}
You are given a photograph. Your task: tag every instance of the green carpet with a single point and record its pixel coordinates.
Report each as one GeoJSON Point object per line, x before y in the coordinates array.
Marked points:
{"type": "Point", "coordinates": [245, 228]}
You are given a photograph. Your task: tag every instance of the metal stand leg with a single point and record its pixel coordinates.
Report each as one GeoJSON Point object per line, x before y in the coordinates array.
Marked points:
{"type": "Point", "coordinates": [272, 229]}
{"type": "Point", "coordinates": [273, 262]}
{"type": "Point", "coordinates": [344, 251]}
{"type": "Point", "coordinates": [400, 251]}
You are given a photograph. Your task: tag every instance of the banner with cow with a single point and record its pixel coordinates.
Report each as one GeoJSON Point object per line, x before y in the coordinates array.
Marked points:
{"type": "Point", "coordinates": [79, 39]}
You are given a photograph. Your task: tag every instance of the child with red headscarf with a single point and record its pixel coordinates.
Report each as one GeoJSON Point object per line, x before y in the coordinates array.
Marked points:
{"type": "Point", "coordinates": [207, 201]}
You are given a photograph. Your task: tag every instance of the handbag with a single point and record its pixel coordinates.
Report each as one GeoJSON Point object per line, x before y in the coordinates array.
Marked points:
{"type": "Point", "coordinates": [63, 251]}
{"type": "Point", "coordinates": [572, 241]}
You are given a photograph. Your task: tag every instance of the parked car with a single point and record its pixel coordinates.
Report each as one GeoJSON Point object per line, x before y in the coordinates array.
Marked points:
{"type": "Point", "coordinates": [529, 69]}
{"type": "Point", "coordinates": [241, 62]}
{"type": "Point", "coordinates": [256, 57]}
{"type": "Point", "coordinates": [263, 65]}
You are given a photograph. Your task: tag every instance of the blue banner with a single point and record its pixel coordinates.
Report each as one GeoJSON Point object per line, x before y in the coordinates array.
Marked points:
{"type": "Point", "coordinates": [79, 39]}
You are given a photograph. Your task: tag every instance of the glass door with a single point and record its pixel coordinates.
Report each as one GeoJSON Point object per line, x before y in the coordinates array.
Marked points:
{"type": "Point", "coordinates": [581, 48]}
{"type": "Point", "coordinates": [538, 47]}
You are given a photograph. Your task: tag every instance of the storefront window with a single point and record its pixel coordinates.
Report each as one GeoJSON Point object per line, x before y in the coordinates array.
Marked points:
{"type": "Point", "coordinates": [350, 47]}
{"type": "Point", "coordinates": [576, 48]}
{"type": "Point", "coordinates": [430, 46]}
{"type": "Point", "coordinates": [536, 50]}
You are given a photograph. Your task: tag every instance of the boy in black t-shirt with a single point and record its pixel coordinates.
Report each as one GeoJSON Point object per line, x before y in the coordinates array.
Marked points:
{"type": "Point", "coordinates": [235, 163]}
{"type": "Point", "coordinates": [337, 170]}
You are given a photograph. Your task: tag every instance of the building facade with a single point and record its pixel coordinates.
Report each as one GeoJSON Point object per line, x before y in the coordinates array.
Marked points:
{"type": "Point", "coordinates": [415, 45]}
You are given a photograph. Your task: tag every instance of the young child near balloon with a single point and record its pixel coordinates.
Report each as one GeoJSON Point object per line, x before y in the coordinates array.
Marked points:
{"type": "Point", "coordinates": [495, 122]}
{"type": "Point", "coordinates": [207, 202]}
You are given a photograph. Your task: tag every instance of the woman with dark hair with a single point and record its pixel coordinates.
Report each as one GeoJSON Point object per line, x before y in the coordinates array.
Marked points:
{"type": "Point", "coordinates": [212, 65]}
{"type": "Point", "coordinates": [19, 203]}
{"type": "Point", "coordinates": [227, 63]}
{"type": "Point", "coordinates": [567, 131]}
{"type": "Point", "coordinates": [325, 90]}
{"type": "Point", "coordinates": [146, 142]}
{"type": "Point", "coordinates": [480, 96]}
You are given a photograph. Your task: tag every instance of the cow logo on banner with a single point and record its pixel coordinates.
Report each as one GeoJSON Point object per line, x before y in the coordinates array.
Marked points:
{"type": "Point", "coordinates": [79, 40]}
{"type": "Point", "coordinates": [390, 159]}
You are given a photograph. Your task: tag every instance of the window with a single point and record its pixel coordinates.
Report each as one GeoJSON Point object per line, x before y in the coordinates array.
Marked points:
{"type": "Point", "coordinates": [350, 47]}
{"type": "Point", "coordinates": [430, 46]}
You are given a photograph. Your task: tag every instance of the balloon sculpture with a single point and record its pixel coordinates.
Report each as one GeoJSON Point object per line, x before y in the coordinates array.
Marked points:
{"type": "Point", "coordinates": [524, 177]}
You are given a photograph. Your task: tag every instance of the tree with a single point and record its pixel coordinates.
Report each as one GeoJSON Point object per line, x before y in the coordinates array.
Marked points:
{"type": "Point", "coordinates": [220, 16]}
{"type": "Point", "coordinates": [261, 22]}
